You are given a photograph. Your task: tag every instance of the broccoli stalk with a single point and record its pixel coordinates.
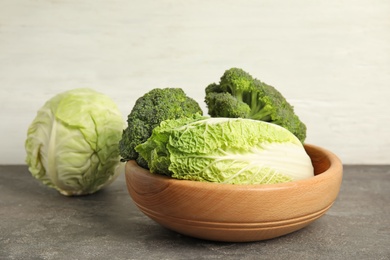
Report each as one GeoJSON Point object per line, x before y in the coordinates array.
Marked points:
{"type": "Point", "coordinates": [148, 112]}
{"type": "Point", "coordinates": [239, 95]}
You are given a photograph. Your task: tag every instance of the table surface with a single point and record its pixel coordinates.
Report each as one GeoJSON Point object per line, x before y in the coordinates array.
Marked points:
{"type": "Point", "coordinates": [36, 222]}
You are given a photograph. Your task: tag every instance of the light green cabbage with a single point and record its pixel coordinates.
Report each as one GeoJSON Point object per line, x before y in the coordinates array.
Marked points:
{"type": "Point", "coordinates": [72, 144]}
{"type": "Point", "coordinates": [226, 150]}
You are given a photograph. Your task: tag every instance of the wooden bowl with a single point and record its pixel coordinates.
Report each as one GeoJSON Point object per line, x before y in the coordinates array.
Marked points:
{"type": "Point", "coordinates": [237, 213]}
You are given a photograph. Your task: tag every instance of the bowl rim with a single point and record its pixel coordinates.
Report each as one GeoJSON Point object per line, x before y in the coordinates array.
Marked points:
{"type": "Point", "coordinates": [335, 166]}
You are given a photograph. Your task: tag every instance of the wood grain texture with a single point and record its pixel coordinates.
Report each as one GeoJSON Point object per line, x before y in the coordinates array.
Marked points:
{"type": "Point", "coordinates": [237, 213]}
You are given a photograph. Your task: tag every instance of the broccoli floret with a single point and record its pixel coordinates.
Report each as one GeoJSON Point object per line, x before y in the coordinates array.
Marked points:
{"type": "Point", "coordinates": [148, 112]}
{"type": "Point", "coordinates": [238, 94]}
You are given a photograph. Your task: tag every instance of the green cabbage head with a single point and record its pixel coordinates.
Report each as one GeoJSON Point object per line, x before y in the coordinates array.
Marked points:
{"type": "Point", "coordinates": [72, 144]}
{"type": "Point", "coordinates": [226, 150]}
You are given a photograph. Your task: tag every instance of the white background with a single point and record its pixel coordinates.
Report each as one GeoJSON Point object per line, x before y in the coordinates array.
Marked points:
{"type": "Point", "coordinates": [329, 58]}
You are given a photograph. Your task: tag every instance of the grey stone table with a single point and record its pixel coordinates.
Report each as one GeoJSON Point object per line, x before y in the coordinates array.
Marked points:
{"type": "Point", "coordinates": [37, 222]}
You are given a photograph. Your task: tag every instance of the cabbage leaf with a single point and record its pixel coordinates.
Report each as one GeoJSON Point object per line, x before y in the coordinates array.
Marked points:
{"type": "Point", "coordinates": [72, 144]}
{"type": "Point", "coordinates": [226, 150]}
